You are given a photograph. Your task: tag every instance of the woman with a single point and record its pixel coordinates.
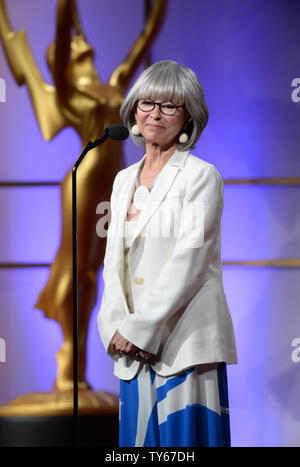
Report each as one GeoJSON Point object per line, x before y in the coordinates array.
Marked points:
{"type": "Point", "coordinates": [164, 318]}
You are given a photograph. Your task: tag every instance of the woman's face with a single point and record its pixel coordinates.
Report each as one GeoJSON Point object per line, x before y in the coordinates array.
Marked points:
{"type": "Point", "coordinates": [160, 129]}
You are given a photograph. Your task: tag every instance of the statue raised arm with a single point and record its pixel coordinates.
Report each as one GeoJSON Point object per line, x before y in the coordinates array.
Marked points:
{"type": "Point", "coordinates": [78, 99]}
{"type": "Point", "coordinates": [122, 75]}
{"type": "Point", "coordinates": [25, 70]}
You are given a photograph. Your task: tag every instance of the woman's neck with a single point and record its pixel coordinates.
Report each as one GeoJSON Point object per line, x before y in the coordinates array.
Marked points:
{"type": "Point", "coordinates": [157, 156]}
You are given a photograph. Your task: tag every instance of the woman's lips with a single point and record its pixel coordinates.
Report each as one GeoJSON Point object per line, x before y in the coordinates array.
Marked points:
{"type": "Point", "coordinates": [152, 125]}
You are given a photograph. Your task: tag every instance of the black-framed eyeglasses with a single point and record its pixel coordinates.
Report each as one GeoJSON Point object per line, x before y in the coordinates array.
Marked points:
{"type": "Point", "coordinates": [167, 108]}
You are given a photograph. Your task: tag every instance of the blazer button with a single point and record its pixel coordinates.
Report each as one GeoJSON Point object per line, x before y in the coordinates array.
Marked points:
{"type": "Point", "coordinates": [139, 280]}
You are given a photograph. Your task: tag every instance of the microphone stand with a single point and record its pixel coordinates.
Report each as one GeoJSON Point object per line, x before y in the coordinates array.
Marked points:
{"type": "Point", "coordinates": [88, 147]}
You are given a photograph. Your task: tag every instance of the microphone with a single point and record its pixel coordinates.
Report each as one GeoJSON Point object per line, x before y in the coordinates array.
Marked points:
{"type": "Point", "coordinates": [117, 132]}
{"type": "Point", "coordinates": [114, 131]}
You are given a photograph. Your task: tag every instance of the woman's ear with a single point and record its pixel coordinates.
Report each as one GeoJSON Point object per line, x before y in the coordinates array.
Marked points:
{"type": "Point", "coordinates": [187, 120]}
{"type": "Point", "coordinates": [188, 123]}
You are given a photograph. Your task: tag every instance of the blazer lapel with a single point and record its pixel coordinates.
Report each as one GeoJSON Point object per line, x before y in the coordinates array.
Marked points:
{"type": "Point", "coordinates": [161, 187]}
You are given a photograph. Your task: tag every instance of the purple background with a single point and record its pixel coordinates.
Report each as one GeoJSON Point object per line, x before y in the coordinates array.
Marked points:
{"type": "Point", "coordinates": [246, 55]}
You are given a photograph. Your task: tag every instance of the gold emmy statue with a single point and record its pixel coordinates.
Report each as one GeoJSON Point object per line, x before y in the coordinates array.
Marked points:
{"type": "Point", "coordinates": [77, 98]}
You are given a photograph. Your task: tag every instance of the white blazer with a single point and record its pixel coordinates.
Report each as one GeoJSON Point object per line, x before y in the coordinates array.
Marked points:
{"type": "Point", "coordinates": [180, 309]}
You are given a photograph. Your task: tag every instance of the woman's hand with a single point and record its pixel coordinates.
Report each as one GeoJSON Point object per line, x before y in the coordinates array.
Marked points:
{"type": "Point", "coordinates": [121, 345]}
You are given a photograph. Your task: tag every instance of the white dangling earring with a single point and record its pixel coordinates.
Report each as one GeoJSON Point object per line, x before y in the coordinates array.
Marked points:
{"type": "Point", "coordinates": [135, 130]}
{"type": "Point", "coordinates": [183, 138]}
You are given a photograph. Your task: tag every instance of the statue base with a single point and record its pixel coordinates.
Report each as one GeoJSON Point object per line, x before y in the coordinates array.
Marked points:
{"type": "Point", "coordinates": [46, 419]}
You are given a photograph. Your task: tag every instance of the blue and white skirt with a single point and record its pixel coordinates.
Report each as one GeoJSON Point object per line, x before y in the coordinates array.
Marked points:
{"type": "Point", "coordinates": [189, 409]}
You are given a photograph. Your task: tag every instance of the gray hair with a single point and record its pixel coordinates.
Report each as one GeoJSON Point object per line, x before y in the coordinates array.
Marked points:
{"type": "Point", "coordinates": [169, 81]}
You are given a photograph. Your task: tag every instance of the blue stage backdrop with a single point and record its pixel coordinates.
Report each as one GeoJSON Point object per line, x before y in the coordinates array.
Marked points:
{"type": "Point", "coordinates": [246, 55]}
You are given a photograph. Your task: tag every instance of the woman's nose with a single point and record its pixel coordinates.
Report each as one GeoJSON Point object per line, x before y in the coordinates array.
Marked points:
{"type": "Point", "coordinates": [155, 113]}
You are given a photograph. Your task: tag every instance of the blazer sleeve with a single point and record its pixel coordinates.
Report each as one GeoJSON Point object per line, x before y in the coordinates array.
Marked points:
{"type": "Point", "coordinates": [110, 313]}
{"type": "Point", "coordinates": [182, 274]}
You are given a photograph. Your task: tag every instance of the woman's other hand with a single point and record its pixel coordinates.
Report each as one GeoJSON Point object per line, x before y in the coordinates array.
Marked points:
{"type": "Point", "coordinates": [146, 357]}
